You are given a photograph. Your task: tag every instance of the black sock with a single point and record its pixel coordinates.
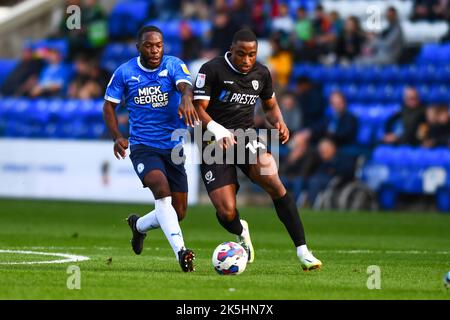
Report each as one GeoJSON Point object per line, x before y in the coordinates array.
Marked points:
{"type": "Point", "coordinates": [234, 226]}
{"type": "Point", "coordinates": [287, 212]}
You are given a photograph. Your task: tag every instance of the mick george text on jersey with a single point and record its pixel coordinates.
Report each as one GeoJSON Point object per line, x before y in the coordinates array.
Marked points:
{"type": "Point", "coordinates": [152, 95]}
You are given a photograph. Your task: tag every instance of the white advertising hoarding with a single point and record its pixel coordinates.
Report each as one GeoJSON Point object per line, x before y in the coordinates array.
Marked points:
{"type": "Point", "coordinates": [77, 170]}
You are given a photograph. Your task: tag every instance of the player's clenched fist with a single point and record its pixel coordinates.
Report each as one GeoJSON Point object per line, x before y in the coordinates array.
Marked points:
{"type": "Point", "coordinates": [120, 145]}
{"type": "Point", "coordinates": [283, 130]}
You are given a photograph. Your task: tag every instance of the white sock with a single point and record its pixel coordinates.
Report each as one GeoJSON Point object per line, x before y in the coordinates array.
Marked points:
{"type": "Point", "coordinates": [302, 250]}
{"type": "Point", "coordinates": [168, 220]}
{"type": "Point", "coordinates": [147, 222]}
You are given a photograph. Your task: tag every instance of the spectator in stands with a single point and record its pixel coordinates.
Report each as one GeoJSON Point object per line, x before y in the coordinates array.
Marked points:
{"type": "Point", "coordinates": [331, 165]}
{"type": "Point", "coordinates": [260, 18]}
{"type": "Point", "coordinates": [283, 23]}
{"type": "Point", "coordinates": [325, 34]}
{"type": "Point", "coordinates": [340, 125]}
{"type": "Point", "coordinates": [54, 76]}
{"type": "Point", "coordinates": [194, 9]}
{"type": "Point", "coordinates": [321, 22]}
{"type": "Point", "coordinates": [290, 111]}
{"type": "Point", "coordinates": [240, 13]}
{"type": "Point", "coordinates": [95, 22]}
{"type": "Point", "coordinates": [431, 10]}
{"type": "Point", "coordinates": [442, 10]}
{"type": "Point", "coordinates": [402, 127]}
{"type": "Point", "coordinates": [93, 31]}
{"type": "Point", "coordinates": [25, 75]}
{"type": "Point", "coordinates": [386, 47]}
{"type": "Point", "coordinates": [90, 80]}
{"type": "Point", "coordinates": [350, 41]}
{"type": "Point", "coordinates": [328, 38]}
{"type": "Point", "coordinates": [280, 63]}
{"type": "Point", "coordinates": [310, 100]}
{"type": "Point", "coordinates": [303, 26]}
{"type": "Point", "coordinates": [190, 43]}
{"type": "Point", "coordinates": [222, 33]}
{"type": "Point", "coordinates": [436, 131]}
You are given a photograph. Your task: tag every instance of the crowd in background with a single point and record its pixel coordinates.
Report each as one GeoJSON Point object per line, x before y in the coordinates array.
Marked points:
{"type": "Point", "coordinates": [306, 37]}
{"type": "Point", "coordinates": [318, 133]}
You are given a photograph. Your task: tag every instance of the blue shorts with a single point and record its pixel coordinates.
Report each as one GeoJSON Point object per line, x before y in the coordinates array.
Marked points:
{"type": "Point", "coordinates": [145, 159]}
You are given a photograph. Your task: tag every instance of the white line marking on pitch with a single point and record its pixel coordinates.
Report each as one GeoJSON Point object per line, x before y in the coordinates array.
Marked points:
{"type": "Point", "coordinates": [367, 251]}
{"type": "Point", "coordinates": [68, 257]}
{"type": "Point", "coordinates": [392, 251]}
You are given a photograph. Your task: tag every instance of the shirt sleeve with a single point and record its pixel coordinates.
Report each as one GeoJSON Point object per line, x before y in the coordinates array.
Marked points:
{"type": "Point", "coordinates": [203, 83]}
{"type": "Point", "coordinates": [267, 91]}
{"type": "Point", "coordinates": [180, 72]}
{"type": "Point", "coordinates": [116, 87]}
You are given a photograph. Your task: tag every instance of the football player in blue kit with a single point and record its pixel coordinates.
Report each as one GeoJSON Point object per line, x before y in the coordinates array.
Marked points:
{"type": "Point", "coordinates": [157, 91]}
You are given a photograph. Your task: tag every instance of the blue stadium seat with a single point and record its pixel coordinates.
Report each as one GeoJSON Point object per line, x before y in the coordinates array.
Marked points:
{"type": "Point", "coordinates": [442, 74]}
{"type": "Point", "coordinates": [439, 94]}
{"type": "Point", "coordinates": [200, 27]}
{"type": "Point", "coordinates": [382, 154]}
{"type": "Point", "coordinates": [127, 17]}
{"type": "Point", "coordinates": [443, 199]}
{"type": "Point", "coordinates": [389, 74]}
{"type": "Point", "coordinates": [60, 45]}
{"type": "Point", "coordinates": [6, 66]}
{"type": "Point", "coordinates": [170, 28]}
{"type": "Point", "coordinates": [117, 53]}
{"type": "Point", "coordinates": [429, 54]}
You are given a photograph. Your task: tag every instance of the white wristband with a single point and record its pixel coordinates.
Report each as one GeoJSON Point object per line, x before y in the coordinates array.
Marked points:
{"type": "Point", "coordinates": [218, 130]}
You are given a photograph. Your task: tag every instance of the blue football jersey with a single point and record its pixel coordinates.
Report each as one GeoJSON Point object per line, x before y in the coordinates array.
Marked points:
{"type": "Point", "coordinates": [152, 99]}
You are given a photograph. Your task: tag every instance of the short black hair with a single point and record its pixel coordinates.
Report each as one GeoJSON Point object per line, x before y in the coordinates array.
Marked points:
{"type": "Point", "coordinates": [245, 35]}
{"type": "Point", "coordinates": [146, 29]}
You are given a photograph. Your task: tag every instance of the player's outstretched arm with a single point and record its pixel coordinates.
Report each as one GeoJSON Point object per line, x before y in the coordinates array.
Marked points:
{"type": "Point", "coordinates": [186, 108]}
{"type": "Point", "coordinates": [109, 115]}
{"type": "Point", "coordinates": [275, 118]}
{"type": "Point", "coordinates": [221, 134]}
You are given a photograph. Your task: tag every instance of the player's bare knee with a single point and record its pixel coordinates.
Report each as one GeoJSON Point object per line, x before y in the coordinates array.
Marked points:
{"type": "Point", "coordinates": [226, 212]}
{"type": "Point", "coordinates": [157, 183]}
{"type": "Point", "coordinates": [274, 187]}
{"type": "Point", "coordinates": [267, 165]}
{"type": "Point", "coordinates": [181, 211]}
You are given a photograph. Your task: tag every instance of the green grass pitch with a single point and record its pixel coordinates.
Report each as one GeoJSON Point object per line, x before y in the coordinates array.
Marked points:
{"type": "Point", "coordinates": [412, 251]}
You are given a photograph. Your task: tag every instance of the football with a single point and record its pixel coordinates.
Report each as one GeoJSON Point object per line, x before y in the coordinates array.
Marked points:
{"type": "Point", "coordinates": [229, 258]}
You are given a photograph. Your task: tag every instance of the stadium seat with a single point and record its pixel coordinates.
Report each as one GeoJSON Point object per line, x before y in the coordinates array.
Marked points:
{"type": "Point", "coordinates": [60, 45]}
{"type": "Point", "coordinates": [6, 66]}
{"type": "Point", "coordinates": [170, 28]}
{"type": "Point", "coordinates": [443, 199]}
{"type": "Point", "coordinates": [127, 17]}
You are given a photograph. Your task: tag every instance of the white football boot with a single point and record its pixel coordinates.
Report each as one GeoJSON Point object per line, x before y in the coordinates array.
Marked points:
{"type": "Point", "coordinates": [246, 241]}
{"type": "Point", "coordinates": [308, 262]}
